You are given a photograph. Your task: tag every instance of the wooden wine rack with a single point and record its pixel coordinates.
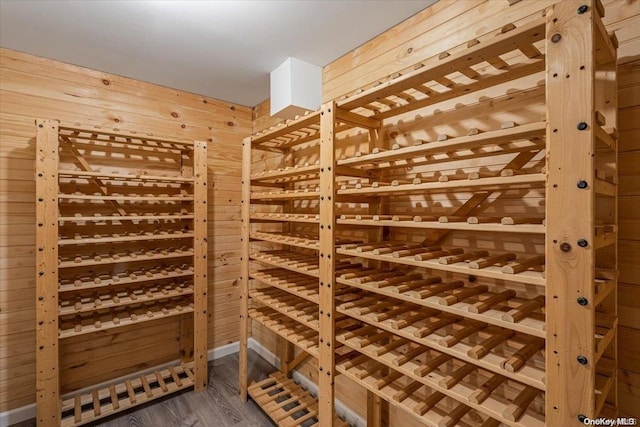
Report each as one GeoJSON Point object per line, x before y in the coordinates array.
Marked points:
{"type": "Point", "coordinates": [118, 244]}
{"type": "Point", "coordinates": [414, 305]}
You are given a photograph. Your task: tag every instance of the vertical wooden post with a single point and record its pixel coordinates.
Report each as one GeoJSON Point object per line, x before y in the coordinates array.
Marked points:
{"type": "Point", "coordinates": [200, 265]}
{"type": "Point", "coordinates": [284, 348]}
{"type": "Point", "coordinates": [47, 363]}
{"type": "Point", "coordinates": [244, 266]}
{"type": "Point", "coordinates": [570, 213]}
{"type": "Point", "coordinates": [375, 404]}
{"type": "Point", "coordinates": [327, 266]}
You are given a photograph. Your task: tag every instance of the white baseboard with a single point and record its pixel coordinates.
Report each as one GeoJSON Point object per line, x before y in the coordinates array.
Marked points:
{"type": "Point", "coordinates": [223, 350]}
{"type": "Point", "coordinates": [17, 415]}
{"type": "Point", "coordinates": [264, 353]}
{"type": "Point", "coordinates": [27, 412]}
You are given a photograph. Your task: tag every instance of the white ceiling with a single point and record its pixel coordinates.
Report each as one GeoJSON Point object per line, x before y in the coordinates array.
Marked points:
{"type": "Point", "coordinates": [222, 49]}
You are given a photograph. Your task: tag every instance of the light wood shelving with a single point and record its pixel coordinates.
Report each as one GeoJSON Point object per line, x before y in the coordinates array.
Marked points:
{"type": "Point", "coordinates": [118, 245]}
{"type": "Point", "coordinates": [468, 277]}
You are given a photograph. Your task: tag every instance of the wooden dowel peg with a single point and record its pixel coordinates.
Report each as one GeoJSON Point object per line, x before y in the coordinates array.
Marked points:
{"type": "Point", "coordinates": [452, 259]}
{"type": "Point", "coordinates": [523, 265]}
{"type": "Point", "coordinates": [437, 254]}
{"type": "Point", "coordinates": [520, 357]}
{"type": "Point", "coordinates": [452, 417]}
{"type": "Point", "coordinates": [456, 376]}
{"type": "Point", "coordinates": [485, 347]}
{"type": "Point", "coordinates": [429, 366]}
{"type": "Point", "coordinates": [480, 395]}
{"type": "Point", "coordinates": [518, 407]}
{"type": "Point", "coordinates": [409, 355]}
{"type": "Point", "coordinates": [428, 403]}
{"type": "Point", "coordinates": [492, 260]}
{"type": "Point", "coordinates": [482, 306]}
{"type": "Point", "coordinates": [526, 308]}
{"type": "Point", "coordinates": [461, 295]}
{"type": "Point", "coordinates": [457, 336]}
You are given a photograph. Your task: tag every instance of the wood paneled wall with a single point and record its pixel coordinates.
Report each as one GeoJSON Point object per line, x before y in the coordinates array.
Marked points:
{"type": "Point", "coordinates": [629, 244]}
{"type": "Point", "coordinates": [32, 87]}
{"type": "Point", "coordinates": [450, 23]}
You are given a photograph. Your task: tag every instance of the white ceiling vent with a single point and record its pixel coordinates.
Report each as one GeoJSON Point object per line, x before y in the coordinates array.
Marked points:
{"type": "Point", "coordinates": [296, 86]}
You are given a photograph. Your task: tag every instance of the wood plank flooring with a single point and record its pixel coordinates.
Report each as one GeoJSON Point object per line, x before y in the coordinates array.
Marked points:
{"type": "Point", "coordinates": [219, 406]}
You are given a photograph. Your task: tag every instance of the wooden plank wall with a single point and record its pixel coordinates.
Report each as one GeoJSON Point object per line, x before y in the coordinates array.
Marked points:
{"type": "Point", "coordinates": [32, 87]}
{"type": "Point", "coordinates": [629, 244]}
{"type": "Point", "coordinates": [449, 23]}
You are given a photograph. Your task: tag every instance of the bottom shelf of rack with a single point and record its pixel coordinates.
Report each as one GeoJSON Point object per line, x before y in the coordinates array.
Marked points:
{"type": "Point", "coordinates": [88, 406]}
{"type": "Point", "coordinates": [431, 408]}
{"type": "Point", "coordinates": [287, 403]}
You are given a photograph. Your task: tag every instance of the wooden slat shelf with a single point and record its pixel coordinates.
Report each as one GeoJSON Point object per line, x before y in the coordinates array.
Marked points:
{"type": "Point", "coordinates": [426, 405]}
{"type": "Point", "coordinates": [299, 171]}
{"type": "Point", "coordinates": [289, 329]}
{"type": "Point", "coordinates": [297, 262]}
{"type": "Point", "coordinates": [122, 316]}
{"type": "Point", "coordinates": [80, 409]}
{"type": "Point", "coordinates": [130, 277]}
{"type": "Point", "coordinates": [604, 381]}
{"type": "Point", "coordinates": [294, 132]}
{"type": "Point", "coordinates": [300, 310]}
{"type": "Point", "coordinates": [443, 66]}
{"type": "Point", "coordinates": [306, 241]}
{"type": "Point", "coordinates": [121, 177]}
{"type": "Point", "coordinates": [448, 334]}
{"type": "Point", "coordinates": [605, 235]}
{"type": "Point", "coordinates": [442, 373]}
{"type": "Point", "coordinates": [134, 218]}
{"type": "Point", "coordinates": [298, 240]}
{"type": "Point", "coordinates": [427, 148]}
{"type": "Point", "coordinates": [496, 226]}
{"type": "Point", "coordinates": [114, 258]}
{"type": "Point", "coordinates": [606, 327]}
{"type": "Point", "coordinates": [285, 217]}
{"type": "Point", "coordinates": [306, 194]}
{"type": "Point", "coordinates": [116, 197]}
{"type": "Point", "coordinates": [605, 188]}
{"type": "Point", "coordinates": [605, 139]}
{"type": "Point", "coordinates": [605, 284]}
{"type": "Point", "coordinates": [500, 309]}
{"type": "Point", "coordinates": [418, 256]}
{"type": "Point", "coordinates": [287, 403]}
{"type": "Point", "coordinates": [300, 285]}
{"type": "Point", "coordinates": [121, 137]}
{"type": "Point", "coordinates": [492, 183]}
{"type": "Point", "coordinates": [104, 301]}
{"type": "Point", "coordinates": [163, 235]}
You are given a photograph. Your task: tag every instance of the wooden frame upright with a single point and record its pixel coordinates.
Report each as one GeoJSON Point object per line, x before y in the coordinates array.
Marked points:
{"type": "Point", "coordinates": [581, 196]}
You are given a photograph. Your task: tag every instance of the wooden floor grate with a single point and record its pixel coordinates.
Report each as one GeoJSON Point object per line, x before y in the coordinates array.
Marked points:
{"type": "Point", "coordinates": [287, 403]}
{"type": "Point", "coordinates": [92, 405]}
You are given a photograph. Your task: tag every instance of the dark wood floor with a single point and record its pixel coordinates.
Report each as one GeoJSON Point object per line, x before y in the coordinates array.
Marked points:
{"type": "Point", "coordinates": [219, 406]}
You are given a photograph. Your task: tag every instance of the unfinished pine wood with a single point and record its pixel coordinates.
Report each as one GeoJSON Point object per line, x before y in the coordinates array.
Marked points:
{"type": "Point", "coordinates": [287, 403]}
{"type": "Point", "coordinates": [570, 270]}
{"type": "Point", "coordinates": [47, 362]}
{"type": "Point", "coordinates": [121, 287]}
{"type": "Point", "coordinates": [326, 373]}
{"type": "Point", "coordinates": [88, 407]}
{"type": "Point", "coordinates": [200, 338]}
